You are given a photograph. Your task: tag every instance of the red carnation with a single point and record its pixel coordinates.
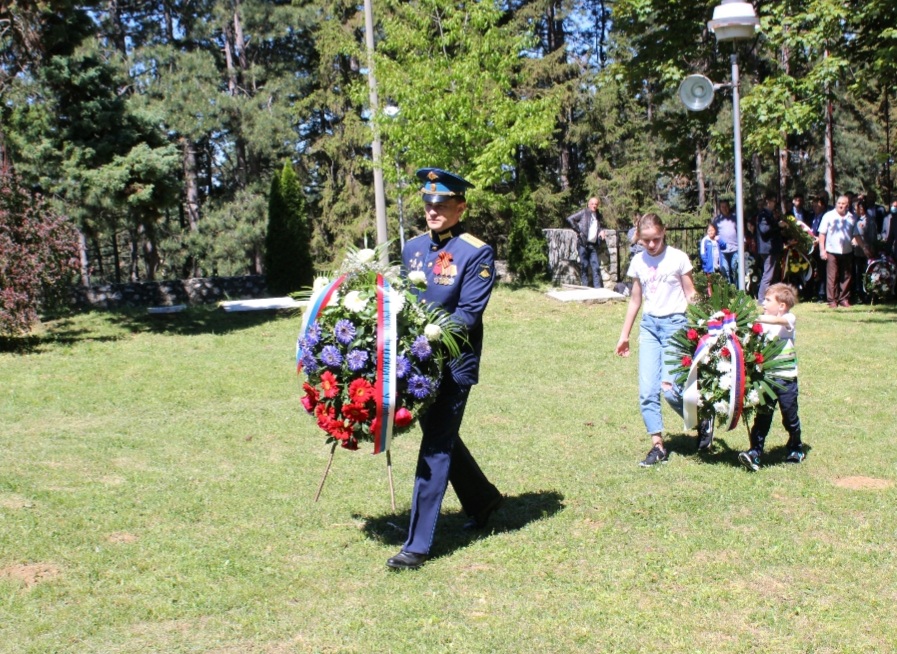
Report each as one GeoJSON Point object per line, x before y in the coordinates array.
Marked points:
{"type": "Point", "coordinates": [757, 328]}
{"type": "Point", "coordinates": [350, 444]}
{"type": "Point", "coordinates": [360, 391]}
{"type": "Point", "coordinates": [692, 334]}
{"type": "Point", "coordinates": [686, 361]}
{"type": "Point", "coordinates": [308, 403]}
{"type": "Point", "coordinates": [727, 313]}
{"type": "Point", "coordinates": [725, 352]}
{"type": "Point", "coordinates": [329, 385]}
{"type": "Point", "coordinates": [403, 417]}
{"type": "Point", "coordinates": [758, 358]}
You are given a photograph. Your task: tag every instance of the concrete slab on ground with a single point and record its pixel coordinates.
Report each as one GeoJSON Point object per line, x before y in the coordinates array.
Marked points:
{"type": "Point", "coordinates": [262, 304]}
{"type": "Point", "coordinates": [584, 294]}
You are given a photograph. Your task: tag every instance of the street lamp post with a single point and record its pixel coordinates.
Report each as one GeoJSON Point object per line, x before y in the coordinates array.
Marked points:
{"type": "Point", "coordinates": [376, 148]}
{"type": "Point", "coordinates": [734, 20]}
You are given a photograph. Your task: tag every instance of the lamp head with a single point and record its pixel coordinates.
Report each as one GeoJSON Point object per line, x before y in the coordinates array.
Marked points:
{"type": "Point", "coordinates": [733, 20]}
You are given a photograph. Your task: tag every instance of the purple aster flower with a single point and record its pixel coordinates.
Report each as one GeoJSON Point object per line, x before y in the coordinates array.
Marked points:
{"type": "Point", "coordinates": [357, 359]}
{"type": "Point", "coordinates": [308, 361]}
{"type": "Point", "coordinates": [403, 367]}
{"type": "Point", "coordinates": [345, 331]}
{"type": "Point", "coordinates": [421, 348]}
{"type": "Point", "coordinates": [420, 386]}
{"type": "Point", "coordinates": [330, 356]}
{"type": "Point", "coordinates": [312, 335]}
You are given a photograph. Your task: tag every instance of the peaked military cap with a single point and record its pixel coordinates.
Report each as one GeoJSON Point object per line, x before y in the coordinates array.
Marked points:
{"type": "Point", "coordinates": [440, 185]}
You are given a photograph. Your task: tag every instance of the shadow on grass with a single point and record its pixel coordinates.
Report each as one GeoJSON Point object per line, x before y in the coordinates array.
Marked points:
{"type": "Point", "coordinates": [724, 454]}
{"type": "Point", "coordinates": [516, 512]}
{"type": "Point", "coordinates": [90, 326]}
{"type": "Point", "coordinates": [193, 321]}
{"type": "Point", "coordinates": [63, 332]}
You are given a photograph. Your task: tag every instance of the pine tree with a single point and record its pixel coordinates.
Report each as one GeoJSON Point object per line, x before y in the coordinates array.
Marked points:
{"type": "Point", "coordinates": [287, 256]}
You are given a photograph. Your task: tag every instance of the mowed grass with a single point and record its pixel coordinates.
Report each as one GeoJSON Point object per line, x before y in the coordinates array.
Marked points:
{"type": "Point", "coordinates": [157, 476]}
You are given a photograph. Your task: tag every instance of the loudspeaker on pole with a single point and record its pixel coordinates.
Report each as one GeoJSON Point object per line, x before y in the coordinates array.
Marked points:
{"type": "Point", "coordinates": [696, 92]}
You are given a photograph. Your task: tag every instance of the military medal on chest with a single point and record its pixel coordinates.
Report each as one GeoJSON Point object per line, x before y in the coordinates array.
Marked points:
{"type": "Point", "coordinates": [444, 271]}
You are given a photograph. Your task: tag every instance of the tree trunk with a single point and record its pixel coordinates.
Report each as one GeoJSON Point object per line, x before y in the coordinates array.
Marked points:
{"type": "Point", "coordinates": [151, 259]}
{"type": "Point", "coordinates": [191, 197]}
{"type": "Point", "coordinates": [85, 267]}
{"type": "Point", "coordinates": [829, 151]}
{"type": "Point", "coordinates": [699, 176]}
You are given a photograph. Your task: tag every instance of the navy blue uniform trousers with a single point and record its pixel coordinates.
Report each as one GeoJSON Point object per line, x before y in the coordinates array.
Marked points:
{"type": "Point", "coordinates": [444, 458]}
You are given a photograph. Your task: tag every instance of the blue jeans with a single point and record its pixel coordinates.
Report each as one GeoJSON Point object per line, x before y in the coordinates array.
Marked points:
{"type": "Point", "coordinates": [653, 370]}
{"type": "Point", "coordinates": [728, 264]}
{"type": "Point", "coordinates": [588, 258]}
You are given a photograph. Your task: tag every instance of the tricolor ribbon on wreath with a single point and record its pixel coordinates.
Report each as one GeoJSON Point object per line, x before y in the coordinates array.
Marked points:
{"type": "Point", "coordinates": [387, 339]}
{"type": "Point", "coordinates": [691, 396]}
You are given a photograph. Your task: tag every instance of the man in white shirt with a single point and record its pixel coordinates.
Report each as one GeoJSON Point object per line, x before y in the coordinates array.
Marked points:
{"type": "Point", "coordinates": [590, 235]}
{"type": "Point", "coordinates": [837, 233]}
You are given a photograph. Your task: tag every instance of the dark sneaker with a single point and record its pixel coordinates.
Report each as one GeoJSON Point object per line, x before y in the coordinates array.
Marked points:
{"type": "Point", "coordinates": [705, 435]}
{"type": "Point", "coordinates": [750, 460]}
{"type": "Point", "coordinates": [795, 456]}
{"type": "Point", "coordinates": [656, 455]}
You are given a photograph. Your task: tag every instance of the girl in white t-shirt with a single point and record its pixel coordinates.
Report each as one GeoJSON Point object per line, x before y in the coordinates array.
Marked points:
{"type": "Point", "coordinates": [662, 281]}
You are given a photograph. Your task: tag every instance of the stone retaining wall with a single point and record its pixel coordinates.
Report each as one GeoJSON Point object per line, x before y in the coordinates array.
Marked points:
{"type": "Point", "coordinates": [205, 290]}
{"type": "Point", "coordinates": [563, 257]}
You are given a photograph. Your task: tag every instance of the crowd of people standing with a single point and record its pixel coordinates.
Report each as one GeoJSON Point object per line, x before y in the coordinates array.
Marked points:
{"type": "Point", "coordinates": [845, 237]}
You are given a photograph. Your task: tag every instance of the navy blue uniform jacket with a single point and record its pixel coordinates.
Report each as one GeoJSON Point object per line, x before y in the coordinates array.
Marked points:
{"type": "Point", "coordinates": [460, 272]}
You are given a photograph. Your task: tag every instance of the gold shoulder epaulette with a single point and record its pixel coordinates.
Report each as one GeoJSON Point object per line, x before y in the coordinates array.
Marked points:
{"type": "Point", "coordinates": [473, 240]}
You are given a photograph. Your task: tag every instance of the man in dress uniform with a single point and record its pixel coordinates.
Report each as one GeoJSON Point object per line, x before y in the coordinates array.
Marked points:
{"type": "Point", "coordinates": [460, 273]}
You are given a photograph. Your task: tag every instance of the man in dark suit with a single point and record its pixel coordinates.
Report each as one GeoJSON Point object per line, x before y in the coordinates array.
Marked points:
{"type": "Point", "coordinates": [590, 235]}
{"type": "Point", "coordinates": [460, 273]}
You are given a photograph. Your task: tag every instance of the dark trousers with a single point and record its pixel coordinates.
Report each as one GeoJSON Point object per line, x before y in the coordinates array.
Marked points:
{"type": "Point", "coordinates": [588, 258]}
{"type": "Point", "coordinates": [838, 277]}
{"type": "Point", "coordinates": [769, 264]}
{"type": "Point", "coordinates": [444, 458]}
{"type": "Point", "coordinates": [787, 400]}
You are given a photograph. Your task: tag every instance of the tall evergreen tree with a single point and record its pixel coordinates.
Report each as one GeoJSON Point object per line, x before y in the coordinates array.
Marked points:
{"type": "Point", "coordinates": [288, 265]}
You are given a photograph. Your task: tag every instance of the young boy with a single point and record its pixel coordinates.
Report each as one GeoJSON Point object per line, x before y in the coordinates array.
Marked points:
{"type": "Point", "coordinates": [778, 320]}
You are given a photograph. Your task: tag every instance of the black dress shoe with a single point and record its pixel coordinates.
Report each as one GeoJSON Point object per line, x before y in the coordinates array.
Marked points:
{"type": "Point", "coordinates": [406, 561]}
{"type": "Point", "coordinates": [481, 519]}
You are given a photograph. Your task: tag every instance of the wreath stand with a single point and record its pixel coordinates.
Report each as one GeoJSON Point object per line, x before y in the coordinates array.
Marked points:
{"type": "Point", "coordinates": [392, 490]}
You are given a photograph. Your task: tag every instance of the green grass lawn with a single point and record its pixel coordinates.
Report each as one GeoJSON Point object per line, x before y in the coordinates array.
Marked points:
{"type": "Point", "coordinates": [157, 476]}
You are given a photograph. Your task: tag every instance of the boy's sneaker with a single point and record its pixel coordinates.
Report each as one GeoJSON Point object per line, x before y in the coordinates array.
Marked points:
{"type": "Point", "coordinates": [750, 460]}
{"type": "Point", "coordinates": [656, 455]}
{"type": "Point", "coordinates": [705, 435]}
{"type": "Point", "coordinates": [795, 456]}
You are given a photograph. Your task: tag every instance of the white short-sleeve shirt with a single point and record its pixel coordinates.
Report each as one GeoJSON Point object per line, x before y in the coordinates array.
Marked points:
{"type": "Point", "coordinates": [661, 280]}
{"type": "Point", "coordinates": [839, 231]}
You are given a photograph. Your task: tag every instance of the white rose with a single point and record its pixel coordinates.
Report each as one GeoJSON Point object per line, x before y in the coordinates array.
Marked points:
{"type": "Point", "coordinates": [354, 302]}
{"type": "Point", "coordinates": [418, 278]}
{"type": "Point", "coordinates": [365, 255]}
{"type": "Point", "coordinates": [433, 332]}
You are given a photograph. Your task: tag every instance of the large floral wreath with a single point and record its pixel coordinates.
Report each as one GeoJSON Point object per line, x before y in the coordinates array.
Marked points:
{"type": "Point", "coordinates": [372, 354]}
{"type": "Point", "coordinates": [724, 361]}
